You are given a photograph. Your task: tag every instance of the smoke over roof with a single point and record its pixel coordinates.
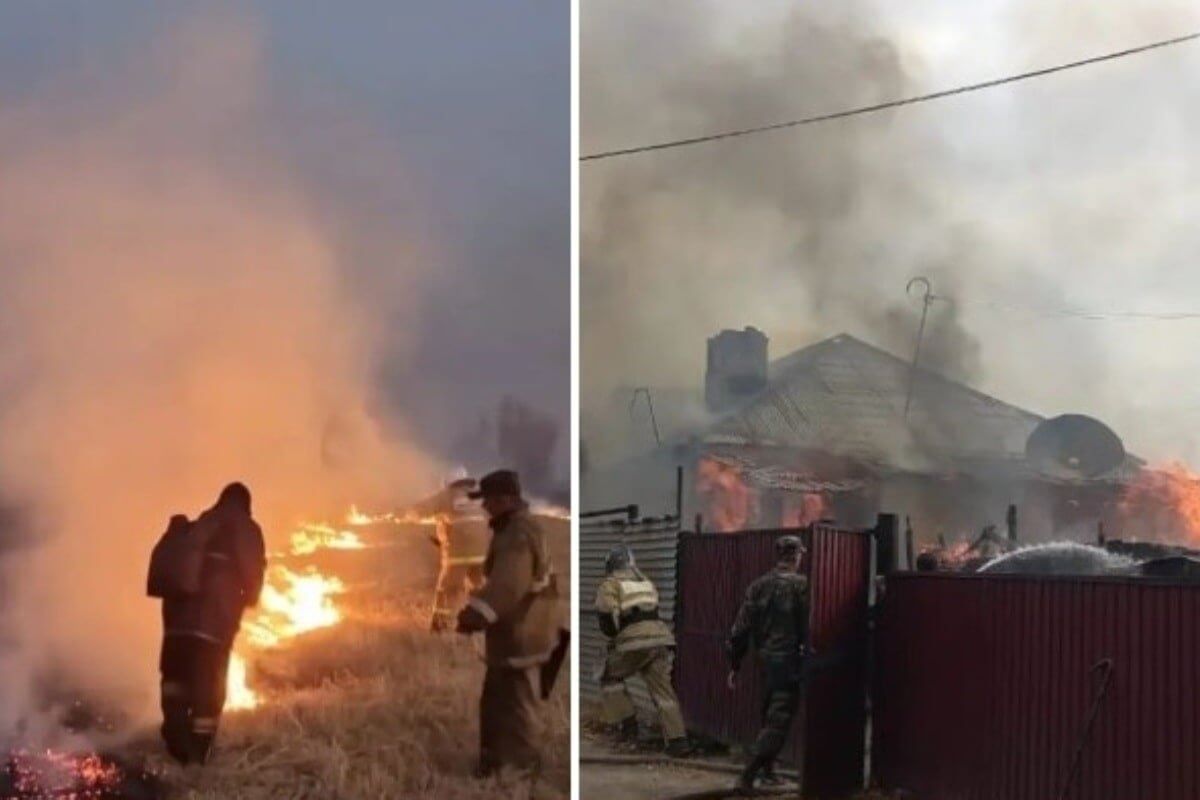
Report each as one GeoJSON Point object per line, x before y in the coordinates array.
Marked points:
{"type": "Point", "coordinates": [1019, 204]}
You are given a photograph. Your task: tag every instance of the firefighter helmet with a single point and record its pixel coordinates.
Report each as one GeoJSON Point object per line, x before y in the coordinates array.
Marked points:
{"type": "Point", "coordinates": [620, 557]}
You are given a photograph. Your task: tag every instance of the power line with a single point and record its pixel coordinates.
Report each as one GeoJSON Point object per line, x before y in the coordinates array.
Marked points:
{"type": "Point", "coordinates": [1077, 313]}
{"type": "Point", "coordinates": [907, 101]}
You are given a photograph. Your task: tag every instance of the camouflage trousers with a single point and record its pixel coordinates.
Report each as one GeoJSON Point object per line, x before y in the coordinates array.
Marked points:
{"type": "Point", "coordinates": [783, 689]}
{"type": "Point", "coordinates": [510, 730]}
{"type": "Point", "coordinates": [653, 665]}
{"type": "Point", "coordinates": [455, 581]}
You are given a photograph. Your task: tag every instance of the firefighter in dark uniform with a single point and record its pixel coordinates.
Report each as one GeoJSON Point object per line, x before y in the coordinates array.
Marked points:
{"type": "Point", "coordinates": [461, 535]}
{"type": "Point", "coordinates": [518, 610]}
{"type": "Point", "coordinates": [639, 643]}
{"type": "Point", "coordinates": [199, 630]}
{"type": "Point", "coordinates": [774, 620]}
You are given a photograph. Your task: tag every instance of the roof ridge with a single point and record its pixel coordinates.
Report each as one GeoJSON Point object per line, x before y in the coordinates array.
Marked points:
{"type": "Point", "coordinates": [798, 359]}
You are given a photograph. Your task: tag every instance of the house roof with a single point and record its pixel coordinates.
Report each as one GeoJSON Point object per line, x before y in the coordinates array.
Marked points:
{"type": "Point", "coordinates": [845, 396]}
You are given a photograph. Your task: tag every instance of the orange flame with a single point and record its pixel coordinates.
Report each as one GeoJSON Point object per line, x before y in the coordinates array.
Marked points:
{"type": "Point", "coordinates": [291, 603]}
{"type": "Point", "coordinates": [1163, 504]}
{"type": "Point", "coordinates": [312, 536]}
{"type": "Point", "coordinates": [730, 503]}
{"type": "Point", "coordinates": [238, 694]}
{"type": "Point", "coordinates": [358, 519]}
{"type": "Point", "coordinates": [803, 511]}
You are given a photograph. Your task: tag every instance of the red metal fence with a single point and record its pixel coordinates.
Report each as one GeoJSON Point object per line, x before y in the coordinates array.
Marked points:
{"type": "Point", "coordinates": [985, 684]}
{"type": "Point", "coordinates": [714, 571]}
{"type": "Point", "coordinates": [835, 699]}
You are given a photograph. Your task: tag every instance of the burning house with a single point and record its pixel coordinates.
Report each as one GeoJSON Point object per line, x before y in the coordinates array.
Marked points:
{"type": "Point", "coordinates": [842, 430]}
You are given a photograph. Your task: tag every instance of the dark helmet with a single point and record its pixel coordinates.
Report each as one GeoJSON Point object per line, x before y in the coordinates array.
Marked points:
{"type": "Point", "coordinates": [788, 547]}
{"type": "Point", "coordinates": [620, 557]}
{"type": "Point", "coordinates": [236, 495]}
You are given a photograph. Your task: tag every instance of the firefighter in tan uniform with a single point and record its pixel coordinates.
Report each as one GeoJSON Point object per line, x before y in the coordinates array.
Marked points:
{"type": "Point", "coordinates": [639, 643]}
{"type": "Point", "coordinates": [518, 609]}
{"type": "Point", "coordinates": [461, 535]}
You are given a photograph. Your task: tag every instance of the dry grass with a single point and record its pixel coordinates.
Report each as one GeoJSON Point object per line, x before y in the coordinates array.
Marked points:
{"type": "Point", "coordinates": [376, 707]}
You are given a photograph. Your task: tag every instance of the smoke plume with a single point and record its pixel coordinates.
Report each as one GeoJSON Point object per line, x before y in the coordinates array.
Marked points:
{"type": "Point", "coordinates": [1016, 203]}
{"type": "Point", "coordinates": [175, 314]}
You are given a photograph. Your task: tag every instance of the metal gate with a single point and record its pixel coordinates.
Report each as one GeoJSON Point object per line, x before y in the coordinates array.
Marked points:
{"type": "Point", "coordinates": [1002, 686]}
{"type": "Point", "coordinates": [714, 571]}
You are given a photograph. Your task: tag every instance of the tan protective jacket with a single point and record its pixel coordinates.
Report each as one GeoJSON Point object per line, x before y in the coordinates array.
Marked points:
{"type": "Point", "coordinates": [519, 600]}
{"type": "Point", "coordinates": [627, 594]}
{"type": "Point", "coordinates": [462, 537]}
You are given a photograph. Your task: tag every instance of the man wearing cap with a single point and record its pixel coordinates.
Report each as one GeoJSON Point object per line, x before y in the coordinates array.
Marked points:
{"type": "Point", "coordinates": [774, 619]}
{"type": "Point", "coordinates": [461, 536]}
{"type": "Point", "coordinates": [518, 609]}
{"type": "Point", "coordinates": [639, 643]}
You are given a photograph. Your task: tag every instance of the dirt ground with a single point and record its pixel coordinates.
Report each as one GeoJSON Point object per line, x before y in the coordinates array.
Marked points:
{"type": "Point", "coordinates": [658, 781]}
{"type": "Point", "coordinates": [641, 782]}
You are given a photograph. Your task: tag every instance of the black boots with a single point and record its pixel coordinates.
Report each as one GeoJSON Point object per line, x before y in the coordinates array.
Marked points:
{"type": "Point", "coordinates": [757, 765]}
{"type": "Point", "coordinates": [679, 748]}
{"type": "Point", "coordinates": [769, 778]}
{"type": "Point", "coordinates": [628, 730]}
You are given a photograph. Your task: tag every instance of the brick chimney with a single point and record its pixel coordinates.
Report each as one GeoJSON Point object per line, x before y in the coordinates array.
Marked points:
{"type": "Point", "coordinates": [737, 368]}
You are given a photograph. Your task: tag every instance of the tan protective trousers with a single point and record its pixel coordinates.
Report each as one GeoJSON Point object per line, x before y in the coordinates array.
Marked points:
{"type": "Point", "coordinates": [653, 665]}
{"type": "Point", "coordinates": [510, 730]}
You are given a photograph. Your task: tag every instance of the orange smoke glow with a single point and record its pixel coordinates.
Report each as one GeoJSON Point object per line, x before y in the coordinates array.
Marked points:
{"type": "Point", "coordinates": [730, 505]}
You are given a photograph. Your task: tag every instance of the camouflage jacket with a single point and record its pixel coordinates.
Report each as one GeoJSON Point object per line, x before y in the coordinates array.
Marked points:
{"type": "Point", "coordinates": [773, 618]}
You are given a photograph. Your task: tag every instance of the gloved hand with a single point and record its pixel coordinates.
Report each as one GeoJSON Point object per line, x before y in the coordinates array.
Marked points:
{"type": "Point", "coordinates": [470, 621]}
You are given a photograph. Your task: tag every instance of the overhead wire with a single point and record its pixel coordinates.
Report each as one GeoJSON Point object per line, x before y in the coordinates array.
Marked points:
{"type": "Point", "coordinates": [906, 101]}
{"type": "Point", "coordinates": [1074, 313]}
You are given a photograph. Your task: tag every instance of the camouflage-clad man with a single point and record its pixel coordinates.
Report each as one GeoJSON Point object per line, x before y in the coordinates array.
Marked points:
{"type": "Point", "coordinates": [639, 644]}
{"type": "Point", "coordinates": [774, 619]}
{"type": "Point", "coordinates": [517, 607]}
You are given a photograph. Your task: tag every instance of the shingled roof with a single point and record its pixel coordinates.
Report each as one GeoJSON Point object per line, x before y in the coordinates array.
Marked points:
{"type": "Point", "coordinates": [844, 396]}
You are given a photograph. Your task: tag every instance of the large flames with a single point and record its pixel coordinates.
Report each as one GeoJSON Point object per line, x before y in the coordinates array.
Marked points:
{"type": "Point", "coordinates": [292, 603]}
{"type": "Point", "coordinates": [1163, 504]}
{"type": "Point", "coordinates": [311, 537]}
{"type": "Point", "coordinates": [729, 502]}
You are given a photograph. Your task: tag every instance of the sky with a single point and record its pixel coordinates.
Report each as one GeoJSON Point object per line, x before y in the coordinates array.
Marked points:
{"type": "Point", "coordinates": [472, 103]}
{"type": "Point", "coordinates": [1074, 191]}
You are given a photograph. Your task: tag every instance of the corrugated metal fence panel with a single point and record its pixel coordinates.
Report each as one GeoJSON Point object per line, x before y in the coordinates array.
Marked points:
{"type": "Point", "coordinates": [715, 570]}
{"type": "Point", "coordinates": [654, 544]}
{"type": "Point", "coordinates": [985, 684]}
{"type": "Point", "coordinates": [835, 697]}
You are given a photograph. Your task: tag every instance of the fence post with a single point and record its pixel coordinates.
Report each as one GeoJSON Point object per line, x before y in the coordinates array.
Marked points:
{"type": "Point", "coordinates": [886, 535]}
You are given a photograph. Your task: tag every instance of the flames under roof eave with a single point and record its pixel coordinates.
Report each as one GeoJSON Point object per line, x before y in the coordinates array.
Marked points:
{"type": "Point", "coordinates": [953, 468]}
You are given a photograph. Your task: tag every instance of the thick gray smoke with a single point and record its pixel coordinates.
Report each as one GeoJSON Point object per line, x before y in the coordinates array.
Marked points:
{"type": "Point", "coordinates": [174, 314]}
{"type": "Point", "coordinates": [1017, 203]}
{"type": "Point", "coordinates": [801, 234]}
